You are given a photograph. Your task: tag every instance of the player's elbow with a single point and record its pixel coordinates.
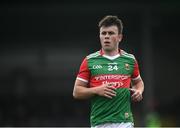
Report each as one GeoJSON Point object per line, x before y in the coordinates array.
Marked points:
{"type": "Point", "coordinates": [75, 94]}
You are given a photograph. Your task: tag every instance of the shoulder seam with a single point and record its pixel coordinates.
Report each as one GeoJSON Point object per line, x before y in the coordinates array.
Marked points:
{"type": "Point", "coordinates": [128, 55]}
{"type": "Point", "coordinates": [93, 55]}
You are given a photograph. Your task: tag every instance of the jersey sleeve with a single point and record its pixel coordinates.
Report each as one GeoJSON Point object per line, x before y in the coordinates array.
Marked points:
{"type": "Point", "coordinates": [84, 73]}
{"type": "Point", "coordinates": [136, 73]}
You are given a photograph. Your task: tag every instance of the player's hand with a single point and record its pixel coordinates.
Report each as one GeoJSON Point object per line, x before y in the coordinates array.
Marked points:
{"type": "Point", "coordinates": [136, 95]}
{"type": "Point", "coordinates": [106, 90]}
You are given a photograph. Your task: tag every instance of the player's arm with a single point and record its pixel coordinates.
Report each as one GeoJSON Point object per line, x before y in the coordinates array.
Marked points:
{"type": "Point", "coordinates": [137, 89]}
{"type": "Point", "coordinates": [81, 91]}
{"type": "Point", "coordinates": [137, 84]}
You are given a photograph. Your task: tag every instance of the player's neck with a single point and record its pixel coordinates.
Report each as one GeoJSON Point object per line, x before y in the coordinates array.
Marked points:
{"type": "Point", "coordinates": [111, 53]}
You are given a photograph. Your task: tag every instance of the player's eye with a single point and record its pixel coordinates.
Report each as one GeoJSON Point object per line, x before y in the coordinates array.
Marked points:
{"type": "Point", "coordinates": [103, 33]}
{"type": "Point", "coordinates": [111, 33]}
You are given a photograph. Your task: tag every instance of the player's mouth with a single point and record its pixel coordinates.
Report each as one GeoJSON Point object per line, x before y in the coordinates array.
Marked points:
{"type": "Point", "coordinates": [107, 43]}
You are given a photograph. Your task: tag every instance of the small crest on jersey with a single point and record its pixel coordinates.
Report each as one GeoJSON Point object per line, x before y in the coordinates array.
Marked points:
{"type": "Point", "coordinates": [126, 66]}
{"type": "Point", "coordinates": [126, 114]}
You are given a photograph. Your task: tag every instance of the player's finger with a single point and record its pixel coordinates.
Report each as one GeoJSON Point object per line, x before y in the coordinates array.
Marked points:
{"type": "Point", "coordinates": [134, 94]}
{"type": "Point", "coordinates": [137, 97]}
{"type": "Point", "coordinates": [132, 90]}
{"type": "Point", "coordinates": [110, 90]}
{"type": "Point", "coordinates": [111, 87]}
{"type": "Point", "coordinates": [110, 94]}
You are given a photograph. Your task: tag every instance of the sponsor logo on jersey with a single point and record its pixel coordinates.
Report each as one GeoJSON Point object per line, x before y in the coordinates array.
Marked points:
{"type": "Point", "coordinates": [116, 84]}
{"type": "Point", "coordinates": [109, 77]}
{"type": "Point", "coordinates": [116, 80]}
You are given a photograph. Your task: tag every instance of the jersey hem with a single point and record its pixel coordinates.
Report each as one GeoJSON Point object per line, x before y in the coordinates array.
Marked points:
{"type": "Point", "coordinates": [110, 121]}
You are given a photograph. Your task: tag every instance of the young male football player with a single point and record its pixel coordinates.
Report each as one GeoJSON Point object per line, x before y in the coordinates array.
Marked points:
{"type": "Point", "coordinates": [106, 77]}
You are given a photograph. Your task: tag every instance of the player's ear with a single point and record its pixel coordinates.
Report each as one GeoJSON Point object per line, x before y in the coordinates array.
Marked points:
{"type": "Point", "coordinates": [120, 37]}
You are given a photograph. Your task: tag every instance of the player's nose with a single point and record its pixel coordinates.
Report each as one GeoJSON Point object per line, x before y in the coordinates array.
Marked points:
{"type": "Point", "coordinates": [107, 36]}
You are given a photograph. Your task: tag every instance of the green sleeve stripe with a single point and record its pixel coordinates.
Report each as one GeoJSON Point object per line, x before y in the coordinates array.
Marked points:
{"type": "Point", "coordinates": [93, 55]}
{"type": "Point", "coordinates": [128, 55]}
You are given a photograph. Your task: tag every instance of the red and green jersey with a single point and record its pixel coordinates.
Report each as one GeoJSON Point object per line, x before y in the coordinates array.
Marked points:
{"type": "Point", "coordinates": [97, 69]}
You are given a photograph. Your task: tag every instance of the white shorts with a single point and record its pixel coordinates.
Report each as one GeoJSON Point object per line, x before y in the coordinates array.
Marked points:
{"type": "Point", "coordinates": [115, 125]}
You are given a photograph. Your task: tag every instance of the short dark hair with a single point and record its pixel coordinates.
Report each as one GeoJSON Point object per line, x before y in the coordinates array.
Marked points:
{"type": "Point", "coordinates": [110, 20]}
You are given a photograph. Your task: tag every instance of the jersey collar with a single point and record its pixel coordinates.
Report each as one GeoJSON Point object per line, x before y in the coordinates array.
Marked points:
{"type": "Point", "coordinates": [102, 52]}
{"type": "Point", "coordinates": [110, 57]}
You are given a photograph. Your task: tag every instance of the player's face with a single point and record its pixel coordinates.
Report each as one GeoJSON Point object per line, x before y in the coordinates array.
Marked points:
{"type": "Point", "coordinates": [110, 38]}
